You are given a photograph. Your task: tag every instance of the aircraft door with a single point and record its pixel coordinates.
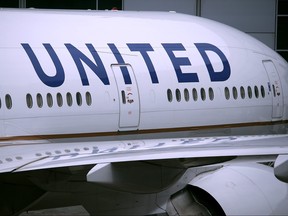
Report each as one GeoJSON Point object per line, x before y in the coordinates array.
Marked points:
{"type": "Point", "coordinates": [128, 97]}
{"type": "Point", "coordinates": [275, 87]}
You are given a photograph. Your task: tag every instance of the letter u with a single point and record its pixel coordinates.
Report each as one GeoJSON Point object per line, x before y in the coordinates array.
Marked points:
{"type": "Point", "coordinates": [52, 81]}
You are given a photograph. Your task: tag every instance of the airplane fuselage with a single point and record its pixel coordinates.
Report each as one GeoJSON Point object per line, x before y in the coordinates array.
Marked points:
{"type": "Point", "coordinates": [55, 85]}
{"type": "Point", "coordinates": [139, 113]}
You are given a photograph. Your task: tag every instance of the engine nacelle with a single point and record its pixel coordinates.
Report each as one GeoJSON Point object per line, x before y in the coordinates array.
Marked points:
{"type": "Point", "coordinates": [250, 189]}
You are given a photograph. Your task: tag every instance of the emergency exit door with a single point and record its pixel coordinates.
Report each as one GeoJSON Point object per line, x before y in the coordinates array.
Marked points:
{"type": "Point", "coordinates": [129, 103]}
{"type": "Point", "coordinates": [276, 89]}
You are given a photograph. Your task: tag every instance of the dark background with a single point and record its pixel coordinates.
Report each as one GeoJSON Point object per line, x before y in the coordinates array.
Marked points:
{"type": "Point", "coordinates": [65, 4]}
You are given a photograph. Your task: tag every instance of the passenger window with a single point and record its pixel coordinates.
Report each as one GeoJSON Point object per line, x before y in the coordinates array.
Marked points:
{"type": "Point", "coordinates": [59, 100]}
{"type": "Point", "coordinates": [227, 93]}
{"type": "Point", "coordinates": [203, 94]}
{"type": "Point", "coordinates": [69, 99]}
{"type": "Point", "coordinates": [195, 94]}
{"type": "Point", "coordinates": [256, 91]}
{"type": "Point", "coordinates": [235, 93]}
{"type": "Point", "coordinates": [169, 95]}
{"type": "Point", "coordinates": [242, 92]}
{"type": "Point", "coordinates": [39, 100]}
{"type": "Point", "coordinates": [79, 98]}
{"type": "Point", "coordinates": [49, 100]}
{"type": "Point", "coordinates": [8, 101]}
{"type": "Point", "coordinates": [186, 94]}
{"type": "Point", "coordinates": [211, 94]}
{"type": "Point", "coordinates": [178, 95]}
{"type": "Point", "coordinates": [262, 91]}
{"type": "Point", "coordinates": [249, 92]}
{"type": "Point", "coordinates": [29, 101]}
{"type": "Point", "coordinates": [88, 98]}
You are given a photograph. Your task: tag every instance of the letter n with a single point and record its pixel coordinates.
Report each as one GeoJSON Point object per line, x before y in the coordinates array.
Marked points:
{"type": "Point", "coordinates": [97, 68]}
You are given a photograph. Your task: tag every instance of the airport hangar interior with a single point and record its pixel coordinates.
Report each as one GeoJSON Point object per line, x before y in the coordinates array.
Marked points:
{"type": "Point", "coordinates": [266, 20]}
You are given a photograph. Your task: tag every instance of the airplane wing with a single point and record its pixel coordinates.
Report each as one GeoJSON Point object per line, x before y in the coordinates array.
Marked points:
{"type": "Point", "coordinates": [35, 155]}
{"type": "Point", "coordinates": [163, 160]}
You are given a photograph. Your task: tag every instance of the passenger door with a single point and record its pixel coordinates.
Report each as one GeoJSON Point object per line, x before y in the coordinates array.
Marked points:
{"type": "Point", "coordinates": [275, 87]}
{"type": "Point", "coordinates": [129, 115]}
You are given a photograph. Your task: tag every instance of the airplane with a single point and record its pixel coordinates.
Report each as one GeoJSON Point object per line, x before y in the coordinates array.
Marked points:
{"type": "Point", "coordinates": [140, 113]}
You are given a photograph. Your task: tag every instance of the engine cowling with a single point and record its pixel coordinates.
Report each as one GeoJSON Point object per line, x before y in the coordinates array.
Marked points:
{"type": "Point", "coordinates": [250, 189]}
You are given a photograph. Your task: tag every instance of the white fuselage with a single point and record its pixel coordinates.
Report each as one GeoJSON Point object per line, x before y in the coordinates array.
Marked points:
{"type": "Point", "coordinates": [104, 72]}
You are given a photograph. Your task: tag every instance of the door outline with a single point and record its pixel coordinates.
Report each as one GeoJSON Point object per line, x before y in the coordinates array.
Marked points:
{"type": "Point", "coordinates": [275, 88]}
{"type": "Point", "coordinates": [129, 100]}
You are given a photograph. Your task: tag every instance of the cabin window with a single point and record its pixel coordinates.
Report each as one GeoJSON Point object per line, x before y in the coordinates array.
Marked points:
{"type": "Point", "coordinates": [8, 101]}
{"type": "Point", "coordinates": [88, 98]}
{"type": "Point", "coordinates": [211, 94]}
{"type": "Point", "coordinates": [235, 93]}
{"type": "Point", "coordinates": [169, 95]}
{"type": "Point", "coordinates": [186, 94]}
{"type": "Point", "coordinates": [39, 100]}
{"type": "Point", "coordinates": [203, 94]}
{"type": "Point", "coordinates": [59, 100]}
{"type": "Point", "coordinates": [249, 92]}
{"type": "Point", "coordinates": [178, 95]}
{"type": "Point", "coordinates": [227, 93]}
{"type": "Point", "coordinates": [262, 91]}
{"type": "Point", "coordinates": [48, 153]}
{"type": "Point", "coordinates": [242, 92]}
{"type": "Point", "coordinates": [256, 91]}
{"type": "Point", "coordinates": [195, 94]}
{"type": "Point", "coordinates": [69, 99]}
{"type": "Point", "coordinates": [29, 101]}
{"type": "Point", "coordinates": [79, 98]}
{"type": "Point", "coordinates": [49, 99]}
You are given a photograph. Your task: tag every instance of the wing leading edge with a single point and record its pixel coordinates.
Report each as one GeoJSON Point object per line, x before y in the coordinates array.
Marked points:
{"type": "Point", "coordinates": [35, 156]}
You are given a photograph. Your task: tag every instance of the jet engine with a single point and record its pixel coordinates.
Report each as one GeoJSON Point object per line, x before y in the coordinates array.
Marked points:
{"type": "Point", "coordinates": [232, 190]}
